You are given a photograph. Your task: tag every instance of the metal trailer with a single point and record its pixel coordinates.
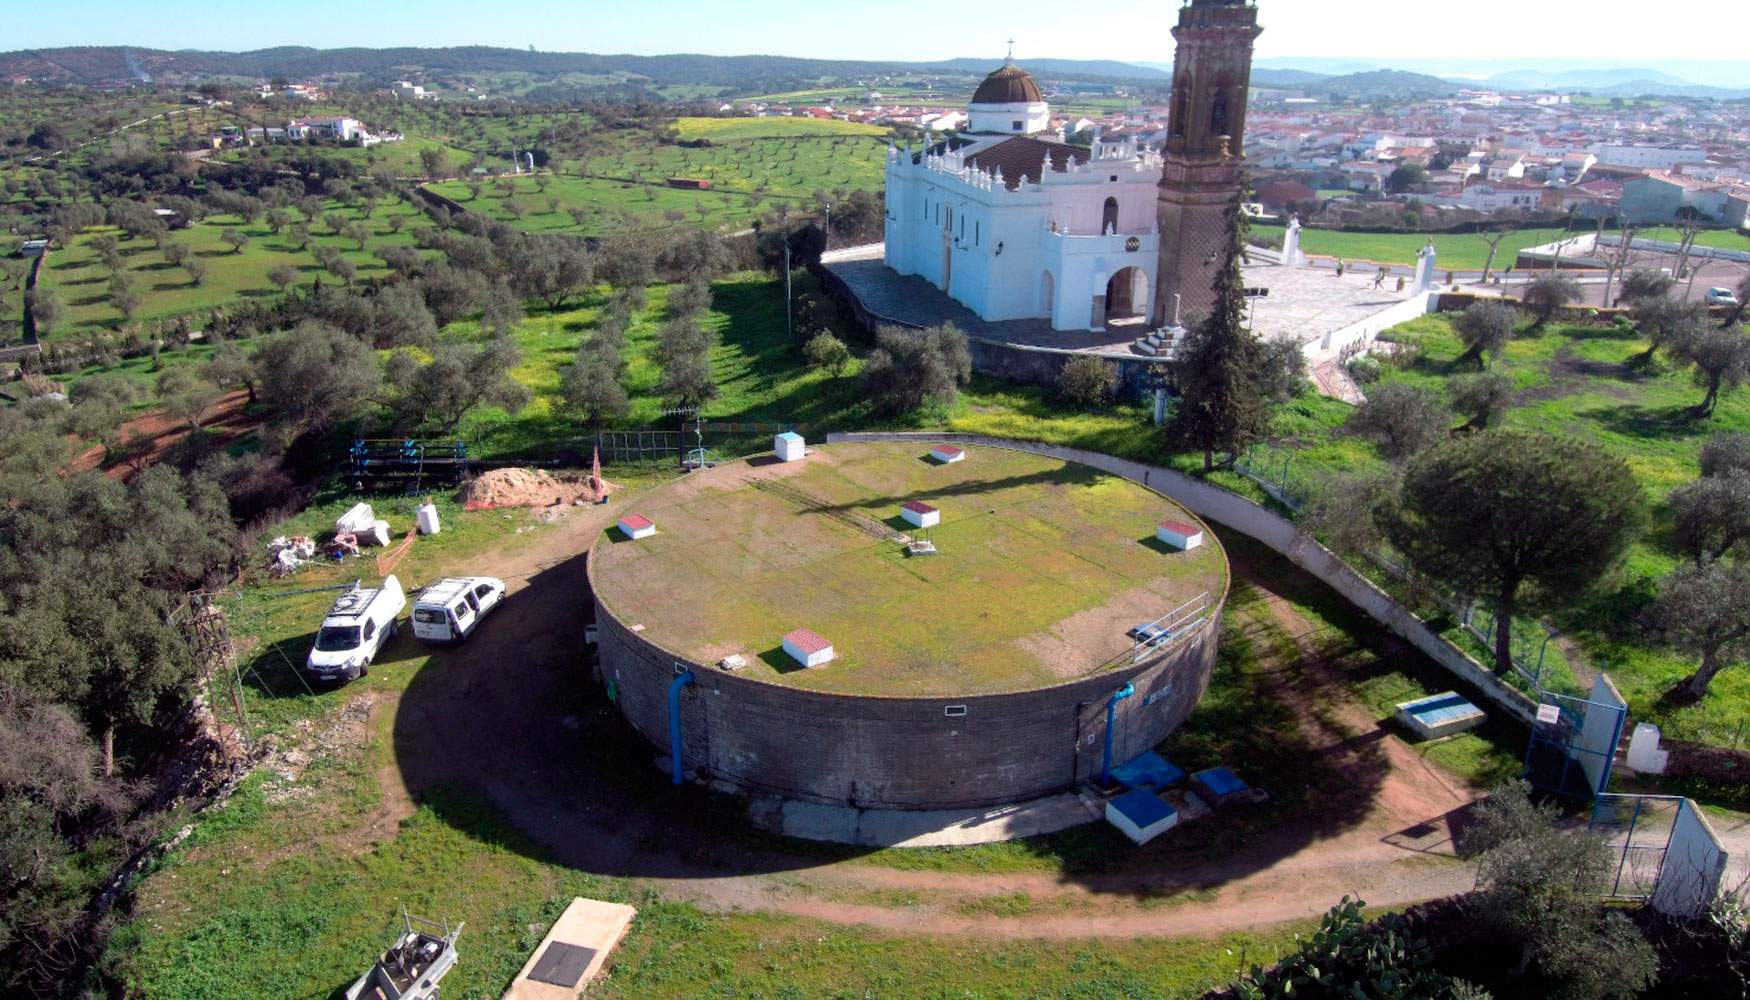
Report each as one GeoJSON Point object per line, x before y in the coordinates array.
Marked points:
{"type": "Point", "coordinates": [423, 954]}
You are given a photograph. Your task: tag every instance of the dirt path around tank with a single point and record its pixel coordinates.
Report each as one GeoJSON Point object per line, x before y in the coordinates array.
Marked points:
{"type": "Point", "coordinates": [501, 716]}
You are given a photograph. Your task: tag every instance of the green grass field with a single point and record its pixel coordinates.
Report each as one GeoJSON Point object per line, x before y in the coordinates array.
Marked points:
{"type": "Point", "coordinates": [1067, 552]}
{"type": "Point", "coordinates": [753, 164]}
{"type": "Point", "coordinates": [82, 281]}
{"type": "Point", "coordinates": [1463, 252]}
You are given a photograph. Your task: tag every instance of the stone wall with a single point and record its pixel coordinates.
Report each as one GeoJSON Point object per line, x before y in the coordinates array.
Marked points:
{"type": "Point", "coordinates": [1281, 535]}
{"type": "Point", "coordinates": [908, 753]}
{"type": "Point", "coordinates": [1014, 362]}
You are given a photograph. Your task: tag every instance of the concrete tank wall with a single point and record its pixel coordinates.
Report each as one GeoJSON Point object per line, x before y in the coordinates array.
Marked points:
{"type": "Point", "coordinates": [902, 752]}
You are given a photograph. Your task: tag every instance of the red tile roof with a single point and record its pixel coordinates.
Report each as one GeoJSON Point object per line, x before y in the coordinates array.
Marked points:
{"type": "Point", "coordinates": [918, 507]}
{"type": "Point", "coordinates": [947, 449]}
{"type": "Point", "coordinates": [807, 641]}
{"type": "Point", "coordinates": [1024, 157]}
{"type": "Point", "coordinates": [637, 522]}
{"type": "Point", "coordinates": [1181, 528]}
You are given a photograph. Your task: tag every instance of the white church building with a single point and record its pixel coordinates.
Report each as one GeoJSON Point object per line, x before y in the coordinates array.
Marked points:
{"type": "Point", "coordinates": [1018, 225]}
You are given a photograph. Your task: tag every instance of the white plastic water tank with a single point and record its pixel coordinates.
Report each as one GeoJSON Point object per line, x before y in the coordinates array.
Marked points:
{"type": "Point", "coordinates": [428, 519]}
{"type": "Point", "coordinates": [1644, 754]}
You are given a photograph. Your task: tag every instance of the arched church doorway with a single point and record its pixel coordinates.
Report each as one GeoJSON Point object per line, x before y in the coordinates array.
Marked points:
{"type": "Point", "coordinates": [1047, 294]}
{"type": "Point", "coordinates": [1109, 217]}
{"type": "Point", "coordinates": [1127, 296]}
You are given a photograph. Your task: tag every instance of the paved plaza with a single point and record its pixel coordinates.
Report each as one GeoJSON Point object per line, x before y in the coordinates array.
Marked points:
{"type": "Point", "coordinates": [1304, 304]}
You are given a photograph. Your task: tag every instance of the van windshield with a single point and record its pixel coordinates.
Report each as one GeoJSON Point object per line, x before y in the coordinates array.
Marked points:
{"type": "Point", "coordinates": [337, 638]}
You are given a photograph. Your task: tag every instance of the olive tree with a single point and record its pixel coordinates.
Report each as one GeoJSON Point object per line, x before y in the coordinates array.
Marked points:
{"type": "Point", "coordinates": [1704, 609]}
{"type": "Point", "coordinates": [1720, 357]}
{"type": "Point", "coordinates": [911, 367]}
{"type": "Point", "coordinates": [1087, 381]}
{"type": "Point", "coordinates": [1711, 515]}
{"type": "Point", "coordinates": [1402, 419]}
{"type": "Point", "coordinates": [591, 388]}
{"type": "Point", "coordinates": [1484, 326]}
{"type": "Point", "coordinates": [1547, 294]}
{"type": "Point", "coordinates": [1482, 398]}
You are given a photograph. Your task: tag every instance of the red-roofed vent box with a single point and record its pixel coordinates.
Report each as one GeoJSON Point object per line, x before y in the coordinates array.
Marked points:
{"type": "Point", "coordinates": [946, 453]}
{"type": "Point", "coordinates": [919, 514]}
{"type": "Point", "coordinates": [1179, 535]}
{"type": "Point", "coordinates": [808, 649]}
{"type": "Point", "coordinates": [637, 526]}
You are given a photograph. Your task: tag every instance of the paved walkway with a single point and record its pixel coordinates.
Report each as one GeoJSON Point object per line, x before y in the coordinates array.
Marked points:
{"type": "Point", "coordinates": [920, 828]}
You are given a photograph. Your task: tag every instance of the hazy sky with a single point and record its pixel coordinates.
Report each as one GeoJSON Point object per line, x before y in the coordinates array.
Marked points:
{"type": "Point", "coordinates": [906, 30]}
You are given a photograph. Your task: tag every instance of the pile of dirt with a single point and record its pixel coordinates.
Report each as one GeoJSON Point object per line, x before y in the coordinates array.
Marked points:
{"type": "Point", "coordinates": [1703, 760]}
{"type": "Point", "coordinates": [528, 488]}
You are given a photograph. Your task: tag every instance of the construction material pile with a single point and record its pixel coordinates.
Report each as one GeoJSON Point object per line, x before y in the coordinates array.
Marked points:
{"type": "Point", "coordinates": [529, 488]}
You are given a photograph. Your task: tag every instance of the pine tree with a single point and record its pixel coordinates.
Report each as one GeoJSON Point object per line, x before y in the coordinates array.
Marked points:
{"type": "Point", "coordinates": [1217, 372]}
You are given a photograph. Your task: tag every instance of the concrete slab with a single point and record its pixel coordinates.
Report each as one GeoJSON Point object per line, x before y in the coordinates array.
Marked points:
{"type": "Point", "coordinates": [1306, 303]}
{"type": "Point", "coordinates": [919, 828]}
{"type": "Point", "coordinates": [586, 923]}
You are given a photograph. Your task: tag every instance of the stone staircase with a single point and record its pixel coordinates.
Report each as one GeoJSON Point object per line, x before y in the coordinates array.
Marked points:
{"type": "Point", "coordinates": [1160, 343]}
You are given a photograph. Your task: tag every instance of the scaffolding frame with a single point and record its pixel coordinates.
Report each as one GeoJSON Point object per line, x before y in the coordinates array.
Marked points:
{"type": "Point", "coordinates": [206, 630]}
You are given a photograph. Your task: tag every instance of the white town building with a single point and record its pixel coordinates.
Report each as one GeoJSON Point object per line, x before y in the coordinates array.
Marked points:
{"type": "Point", "coordinates": [1017, 225]}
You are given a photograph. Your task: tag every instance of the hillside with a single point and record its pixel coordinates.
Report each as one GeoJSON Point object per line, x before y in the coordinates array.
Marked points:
{"type": "Point", "coordinates": [1385, 83]}
{"type": "Point", "coordinates": [90, 65]}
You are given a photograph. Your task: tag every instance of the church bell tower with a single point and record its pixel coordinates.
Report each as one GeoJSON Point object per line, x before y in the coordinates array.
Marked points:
{"type": "Point", "coordinates": [1205, 152]}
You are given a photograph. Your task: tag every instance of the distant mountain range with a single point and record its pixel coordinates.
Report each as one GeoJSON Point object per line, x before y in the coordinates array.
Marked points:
{"type": "Point", "coordinates": [767, 74]}
{"type": "Point", "coordinates": [1675, 77]}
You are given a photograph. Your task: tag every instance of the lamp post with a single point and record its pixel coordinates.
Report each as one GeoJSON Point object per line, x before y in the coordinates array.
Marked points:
{"type": "Point", "coordinates": [828, 244]}
{"type": "Point", "coordinates": [1111, 719]}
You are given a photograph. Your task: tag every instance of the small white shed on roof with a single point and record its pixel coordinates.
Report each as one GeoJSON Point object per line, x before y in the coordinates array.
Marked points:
{"type": "Point", "coordinates": [789, 446]}
{"type": "Point", "coordinates": [919, 514]}
{"type": "Point", "coordinates": [807, 648]}
{"type": "Point", "coordinates": [946, 453]}
{"type": "Point", "coordinates": [1179, 535]}
{"type": "Point", "coordinates": [637, 526]}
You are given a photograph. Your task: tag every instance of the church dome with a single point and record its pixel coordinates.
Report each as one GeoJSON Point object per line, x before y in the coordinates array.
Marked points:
{"type": "Point", "coordinates": [1008, 85]}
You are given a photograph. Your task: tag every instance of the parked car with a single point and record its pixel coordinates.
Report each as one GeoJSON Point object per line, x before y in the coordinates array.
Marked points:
{"type": "Point", "coordinates": [355, 630]}
{"type": "Point", "coordinates": [449, 610]}
{"type": "Point", "coordinates": [1721, 297]}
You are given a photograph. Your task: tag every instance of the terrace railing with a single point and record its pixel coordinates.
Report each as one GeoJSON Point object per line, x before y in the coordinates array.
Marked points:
{"type": "Point", "coordinates": [1154, 637]}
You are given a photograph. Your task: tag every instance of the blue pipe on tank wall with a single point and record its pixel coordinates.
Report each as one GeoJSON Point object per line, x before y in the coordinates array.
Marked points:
{"type": "Point", "coordinates": [1111, 718]}
{"type": "Point", "coordinates": [674, 721]}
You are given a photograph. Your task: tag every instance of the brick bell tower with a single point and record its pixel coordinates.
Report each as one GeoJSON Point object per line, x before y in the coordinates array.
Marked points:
{"type": "Point", "coordinates": [1205, 150]}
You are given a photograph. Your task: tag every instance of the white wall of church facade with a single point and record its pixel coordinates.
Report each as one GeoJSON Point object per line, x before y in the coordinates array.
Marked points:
{"type": "Point", "coordinates": [1036, 252]}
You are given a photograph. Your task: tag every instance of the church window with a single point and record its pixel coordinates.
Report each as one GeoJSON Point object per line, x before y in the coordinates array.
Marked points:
{"type": "Point", "coordinates": [1019, 126]}
{"type": "Point", "coordinates": [1109, 217]}
{"type": "Point", "coordinates": [975, 228]}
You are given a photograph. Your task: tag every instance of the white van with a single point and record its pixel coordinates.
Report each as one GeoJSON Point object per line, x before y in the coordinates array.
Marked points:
{"type": "Point", "coordinates": [355, 630]}
{"type": "Point", "coordinates": [448, 610]}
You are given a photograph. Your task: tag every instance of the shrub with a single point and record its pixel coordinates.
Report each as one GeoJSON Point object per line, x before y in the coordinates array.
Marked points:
{"type": "Point", "coordinates": [1364, 368]}
{"type": "Point", "coordinates": [1087, 381]}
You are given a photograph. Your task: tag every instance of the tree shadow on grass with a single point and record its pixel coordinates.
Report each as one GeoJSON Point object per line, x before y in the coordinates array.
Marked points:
{"type": "Point", "coordinates": [1647, 422]}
